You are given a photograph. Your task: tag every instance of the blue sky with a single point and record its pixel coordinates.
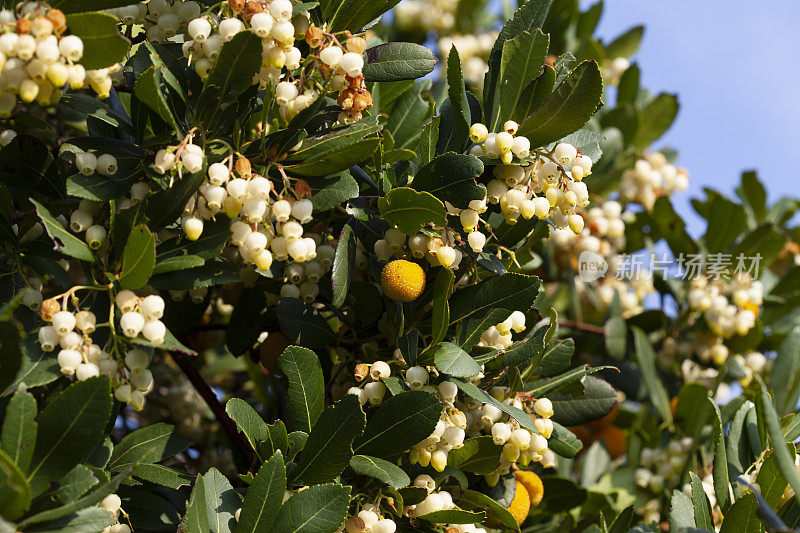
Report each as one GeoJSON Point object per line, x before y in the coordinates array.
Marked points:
{"type": "Point", "coordinates": [736, 68]}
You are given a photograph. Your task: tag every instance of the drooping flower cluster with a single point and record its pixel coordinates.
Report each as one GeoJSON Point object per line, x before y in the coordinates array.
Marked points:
{"type": "Point", "coordinates": [421, 15]}
{"type": "Point", "coordinates": [160, 19]}
{"type": "Point", "coordinates": [650, 178]}
{"type": "Point", "coordinates": [38, 59]}
{"type": "Point", "coordinates": [499, 335]}
{"type": "Point", "coordinates": [540, 183]}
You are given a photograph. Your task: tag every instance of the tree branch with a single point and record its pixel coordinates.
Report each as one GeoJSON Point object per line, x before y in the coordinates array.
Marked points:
{"type": "Point", "coordinates": [579, 326]}
{"type": "Point", "coordinates": [216, 407]}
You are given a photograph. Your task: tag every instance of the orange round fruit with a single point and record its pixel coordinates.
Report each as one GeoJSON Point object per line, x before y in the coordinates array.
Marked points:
{"type": "Point", "coordinates": [521, 504]}
{"type": "Point", "coordinates": [605, 421]}
{"type": "Point", "coordinates": [615, 440]}
{"type": "Point", "coordinates": [533, 484]}
{"type": "Point", "coordinates": [402, 280]}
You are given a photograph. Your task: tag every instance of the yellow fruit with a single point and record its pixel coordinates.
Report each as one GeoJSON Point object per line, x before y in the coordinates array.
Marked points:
{"type": "Point", "coordinates": [521, 504]}
{"type": "Point", "coordinates": [402, 280]}
{"type": "Point", "coordinates": [533, 484]}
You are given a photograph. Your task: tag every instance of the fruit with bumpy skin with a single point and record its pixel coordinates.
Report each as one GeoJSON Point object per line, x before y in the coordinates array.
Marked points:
{"type": "Point", "coordinates": [402, 280]}
{"type": "Point", "coordinates": [519, 507]}
{"type": "Point", "coordinates": [532, 483]}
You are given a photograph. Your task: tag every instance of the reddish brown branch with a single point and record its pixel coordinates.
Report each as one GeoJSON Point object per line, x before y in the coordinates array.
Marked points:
{"type": "Point", "coordinates": [579, 326]}
{"type": "Point", "coordinates": [203, 388]}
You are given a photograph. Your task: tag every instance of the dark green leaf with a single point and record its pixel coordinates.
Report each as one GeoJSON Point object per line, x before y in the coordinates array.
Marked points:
{"type": "Point", "coordinates": [303, 324]}
{"type": "Point", "coordinates": [65, 242]}
{"type": "Point", "coordinates": [343, 265]}
{"type": "Point", "coordinates": [657, 117]}
{"type": "Point", "coordinates": [519, 415]}
{"type": "Point", "coordinates": [212, 505]}
{"type": "Point", "coordinates": [138, 258]}
{"type": "Point", "coordinates": [19, 428]}
{"type": "Point", "coordinates": [15, 492]}
{"type": "Point", "coordinates": [162, 475]}
{"type": "Point", "coordinates": [306, 387]}
{"type": "Point", "coordinates": [472, 499]}
{"type": "Point", "coordinates": [451, 177]}
{"type": "Point", "coordinates": [779, 450]}
{"type": "Point", "coordinates": [398, 61]}
{"type": "Point", "coordinates": [75, 484]}
{"type": "Point", "coordinates": [564, 442]}
{"type": "Point", "coordinates": [333, 190]}
{"type": "Point", "coordinates": [702, 508]}
{"type": "Point", "coordinates": [534, 95]}
{"type": "Point", "coordinates": [250, 423]}
{"type": "Point", "coordinates": [726, 220]}
{"type": "Point", "coordinates": [440, 316]}
{"type": "Point", "coordinates": [102, 43]}
{"type": "Point", "coordinates": [451, 359]}
{"type": "Point", "coordinates": [149, 444]}
{"type": "Point", "coordinates": [400, 422]}
{"type": "Point", "coordinates": [380, 469]}
{"type": "Point", "coordinates": [264, 497]}
{"type": "Point", "coordinates": [514, 292]}
{"type": "Point", "coordinates": [318, 509]}
{"type": "Point", "coordinates": [453, 516]}
{"type": "Point", "coordinates": [597, 400]}
{"type": "Point", "coordinates": [479, 455]}
{"type": "Point", "coordinates": [646, 358]}
{"type": "Point", "coordinates": [742, 517]}
{"type": "Point", "coordinates": [626, 44]}
{"type": "Point", "coordinates": [409, 210]}
{"type": "Point", "coordinates": [246, 322]}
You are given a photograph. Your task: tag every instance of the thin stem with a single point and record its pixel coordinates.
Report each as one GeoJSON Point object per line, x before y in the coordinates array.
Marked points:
{"type": "Point", "coordinates": [580, 326]}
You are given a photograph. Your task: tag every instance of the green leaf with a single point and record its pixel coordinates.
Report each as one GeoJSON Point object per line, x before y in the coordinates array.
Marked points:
{"type": "Point", "coordinates": [570, 106]}
{"type": "Point", "coordinates": [426, 142]}
{"type": "Point", "coordinates": [626, 44]}
{"type": "Point", "coordinates": [472, 499]}
{"type": "Point", "coordinates": [657, 117]}
{"type": "Point", "coordinates": [597, 400]}
{"type": "Point", "coordinates": [513, 292]}
{"type": "Point", "coordinates": [343, 265]}
{"type": "Point", "coordinates": [15, 492]}
{"type": "Point", "coordinates": [451, 359]}
{"type": "Point", "coordinates": [81, 521]}
{"type": "Point", "coordinates": [264, 497]}
{"type": "Point", "coordinates": [534, 95]}
{"type": "Point", "coordinates": [681, 512]}
{"type": "Point", "coordinates": [249, 422]}
{"type": "Point", "coordinates": [138, 258]}
{"type": "Point", "coordinates": [318, 509]}
{"type": "Point", "coordinates": [781, 453]}
{"type": "Point", "coordinates": [218, 271]}
{"type": "Point", "coordinates": [162, 475]}
{"type": "Point", "coordinates": [460, 115]}
{"type": "Point", "coordinates": [65, 242]}
{"type": "Point", "coordinates": [170, 343]}
{"type": "Point", "coordinates": [453, 516]}
{"type": "Point", "coordinates": [587, 142]}
{"type": "Point", "coordinates": [306, 387]}
{"type": "Point", "coordinates": [150, 512]}
{"type": "Point", "coordinates": [702, 508]}
{"type": "Point", "coordinates": [564, 442]}
{"type": "Point", "coordinates": [410, 112]}
{"type": "Point", "coordinates": [521, 62]}
{"type": "Point", "coordinates": [785, 376]}
{"type": "Point", "coordinates": [336, 151]}
{"type": "Point", "coordinates": [555, 358]}
{"type": "Point", "coordinates": [771, 481]}
{"type": "Point", "coordinates": [399, 423]}
{"type": "Point", "coordinates": [440, 316]}
{"type": "Point", "coordinates": [38, 367]}
{"type": "Point", "coordinates": [672, 228]}
{"type": "Point", "coordinates": [150, 90]}
{"type": "Point", "coordinates": [742, 517]}
{"type": "Point", "coordinates": [410, 210]}
{"type": "Point", "coordinates": [530, 16]}
{"type": "Point", "coordinates": [149, 444]}
{"type": "Point", "coordinates": [380, 469]}
{"type": "Point", "coordinates": [753, 195]}
{"type": "Point", "coordinates": [277, 439]}
{"type": "Point", "coordinates": [474, 392]}
{"type": "Point", "coordinates": [165, 207]}
{"type": "Point", "coordinates": [296, 442]}
{"type": "Point", "coordinates": [97, 188]}
{"type": "Point", "coordinates": [720, 467]}
{"type": "Point", "coordinates": [303, 324]}
{"type": "Point", "coordinates": [329, 447]}
{"type": "Point", "coordinates": [646, 358]}
{"type": "Point", "coordinates": [212, 505]}
{"type": "Point", "coordinates": [398, 61]}
{"type": "Point", "coordinates": [451, 177]}
{"type": "Point", "coordinates": [628, 87]}
{"type": "Point", "coordinates": [726, 220]}
{"type": "Point", "coordinates": [332, 190]}
{"type": "Point", "coordinates": [102, 43]}
{"type": "Point", "coordinates": [70, 425]}
{"type": "Point", "coordinates": [75, 484]}
{"type": "Point", "coordinates": [19, 428]}
{"type": "Point", "coordinates": [479, 455]}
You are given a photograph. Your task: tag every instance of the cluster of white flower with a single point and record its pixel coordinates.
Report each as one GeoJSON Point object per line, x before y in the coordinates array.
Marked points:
{"type": "Point", "coordinates": [499, 336]}
{"type": "Point", "coordinates": [173, 159]}
{"type": "Point", "coordinates": [72, 333]}
{"type": "Point", "coordinates": [614, 69]}
{"type": "Point", "coordinates": [133, 382]}
{"type": "Point", "coordinates": [83, 220]}
{"type": "Point", "coordinates": [436, 500]}
{"type": "Point", "coordinates": [473, 51]}
{"type": "Point", "coordinates": [373, 389]}
{"type": "Point", "coordinates": [160, 19]}
{"type": "Point", "coordinates": [88, 163]}
{"type": "Point", "coordinates": [438, 251]}
{"type": "Point", "coordinates": [556, 176]}
{"type": "Point", "coordinates": [650, 178]}
{"type": "Point", "coordinates": [661, 468]}
{"type": "Point", "coordinates": [113, 504]}
{"type": "Point", "coordinates": [37, 60]}
{"type": "Point", "coordinates": [141, 315]}
{"type": "Point", "coordinates": [369, 520]}
{"type": "Point", "coordinates": [448, 434]}
{"type": "Point", "coordinates": [422, 15]}
{"type": "Point", "coordinates": [728, 306]}
{"type": "Point", "coordinates": [302, 278]}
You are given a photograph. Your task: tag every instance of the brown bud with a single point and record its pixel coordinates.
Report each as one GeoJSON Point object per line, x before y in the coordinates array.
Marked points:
{"type": "Point", "coordinates": [361, 371]}
{"type": "Point", "coordinates": [345, 98]}
{"type": "Point", "coordinates": [23, 26]}
{"type": "Point", "coordinates": [236, 5]}
{"type": "Point", "coordinates": [551, 60]}
{"type": "Point", "coordinates": [56, 16]}
{"type": "Point", "coordinates": [243, 167]}
{"type": "Point", "coordinates": [49, 308]}
{"type": "Point", "coordinates": [251, 8]}
{"type": "Point", "coordinates": [362, 100]}
{"type": "Point", "coordinates": [302, 189]}
{"type": "Point", "coordinates": [314, 36]}
{"type": "Point", "coordinates": [355, 83]}
{"type": "Point", "coordinates": [356, 45]}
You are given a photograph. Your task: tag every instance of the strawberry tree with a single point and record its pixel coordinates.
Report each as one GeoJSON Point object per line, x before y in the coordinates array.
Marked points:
{"type": "Point", "coordinates": [279, 266]}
